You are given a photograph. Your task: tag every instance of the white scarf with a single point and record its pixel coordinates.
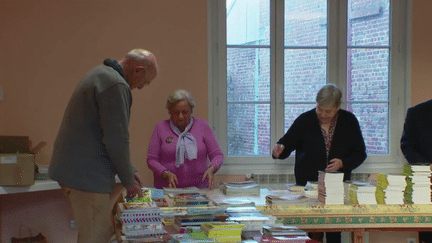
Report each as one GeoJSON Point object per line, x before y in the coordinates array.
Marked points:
{"type": "Point", "coordinates": [186, 144]}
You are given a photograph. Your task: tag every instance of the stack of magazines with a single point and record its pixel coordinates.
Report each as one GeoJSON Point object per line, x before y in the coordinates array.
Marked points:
{"type": "Point", "coordinates": [357, 192]}
{"type": "Point", "coordinates": [244, 188]}
{"type": "Point", "coordinates": [191, 199]}
{"type": "Point", "coordinates": [390, 189]}
{"type": "Point", "coordinates": [223, 231]}
{"type": "Point", "coordinates": [330, 187]}
{"type": "Point", "coordinates": [140, 220]}
{"type": "Point", "coordinates": [282, 230]}
{"type": "Point", "coordinates": [418, 184]}
{"type": "Point", "coordinates": [192, 223]}
{"type": "Point", "coordinates": [282, 233]}
{"type": "Point", "coordinates": [277, 197]}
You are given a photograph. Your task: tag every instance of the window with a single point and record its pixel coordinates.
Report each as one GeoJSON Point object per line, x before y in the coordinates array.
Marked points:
{"type": "Point", "coordinates": [270, 57]}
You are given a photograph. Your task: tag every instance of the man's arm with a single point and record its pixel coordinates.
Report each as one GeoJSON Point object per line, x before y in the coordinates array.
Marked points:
{"type": "Point", "coordinates": [114, 108]}
{"type": "Point", "coordinates": [409, 140]}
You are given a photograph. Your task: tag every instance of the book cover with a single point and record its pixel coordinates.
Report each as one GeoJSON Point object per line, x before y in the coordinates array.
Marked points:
{"type": "Point", "coordinates": [282, 230]}
{"type": "Point", "coordinates": [222, 225]}
{"type": "Point", "coordinates": [175, 191]}
{"type": "Point", "coordinates": [234, 202]}
{"type": "Point", "coordinates": [282, 239]}
{"type": "Point", "coordinates": [286, 199]}
{"type": "Point", "coordinates": [136, 206]}
{"type": "Point", "coordinates": [191, 199]}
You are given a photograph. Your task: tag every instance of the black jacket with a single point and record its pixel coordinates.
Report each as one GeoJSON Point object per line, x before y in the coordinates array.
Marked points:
{"type": "Point", "coordinates": [416, 141]}
{"type": "Point", "coordinates": [305, 137]}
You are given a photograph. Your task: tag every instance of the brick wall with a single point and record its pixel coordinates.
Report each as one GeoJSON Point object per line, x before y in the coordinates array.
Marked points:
{"type": "Point", "coordinates": [248, 73]}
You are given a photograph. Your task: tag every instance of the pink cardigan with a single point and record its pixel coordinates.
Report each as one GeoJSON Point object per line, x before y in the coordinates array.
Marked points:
{"type": "Point", "coordinates": [162, 150]}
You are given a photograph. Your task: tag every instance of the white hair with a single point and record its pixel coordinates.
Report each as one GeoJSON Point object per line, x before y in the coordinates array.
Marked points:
{"type": "Point", "coordinates": [178, 95]}
{"type": "Point", "coordinates": [329, 94]}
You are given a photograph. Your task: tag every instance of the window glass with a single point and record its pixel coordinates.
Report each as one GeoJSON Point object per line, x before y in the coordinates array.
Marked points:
{"type": "Point", "coordinates": [248, 22]}
{"type": "Point", "coordinates": [305, 23]}
{"type": "Point", "coordinates": [252, 105]}
{"type": "Point", "coordinates": [248, 129]}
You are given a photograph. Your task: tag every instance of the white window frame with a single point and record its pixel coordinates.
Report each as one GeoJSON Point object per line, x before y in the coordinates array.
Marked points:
{"type": "Point", "coordinates": [399, 84]}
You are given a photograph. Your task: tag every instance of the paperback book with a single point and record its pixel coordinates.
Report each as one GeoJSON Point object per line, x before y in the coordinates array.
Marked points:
{"type": "Point", "coordinates": [282, 230]}
{"type": "Point", "coordinates": [244, 188]}
{"type": "Point", "coordinates": [191, 199]}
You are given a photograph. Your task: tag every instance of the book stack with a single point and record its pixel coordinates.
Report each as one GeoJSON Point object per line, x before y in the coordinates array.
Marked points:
{"type": "Point", "coordinates": [390, 189]}
{"type": "Point", "coordinates": [192, 223]}
{"type": "Point", "coordinates": [242, 211]}
{"type": "Point", "coordinates": [173, 191]}
{"type": "Point", "coordinates": [146, 196]}
{"type": "Point", "coordinates": [330, 187]}
{"type": "Point", "coordinates": [292, 187]}
{"type": "Point", "coordinates": [359, 193]}
{"type": "Point", "coordinates": [282, 230]}
{"type": "Point", "coordinates": [283, 239]}
{"type": "Point", "coordinates": [205, 210]}
{"type": "Point", "coordinates": [233, 202]}
{"type": "Point", "coordinates": [244, 188]}
{"type": "Point", "coordinates": [223, 231]}
{"type": "Point", "coordinates": [191, 199]}
{"type": "Point", "coordinates": [171, 212]}
{"type": "Point", "coordinates": [245, 213]}
{"type": "Point", "coordinates": [158, 196]}
{"type": "Point", "coordinates": [140, 220]}
{"type": "Point", "coordinates": [283, 197]}
{"type": "Point", "coordinates": [418, 184]}
{"type": "Point", "coordinates": [252, 222]}
{"type": "Point", "coordinates": [195, 237]}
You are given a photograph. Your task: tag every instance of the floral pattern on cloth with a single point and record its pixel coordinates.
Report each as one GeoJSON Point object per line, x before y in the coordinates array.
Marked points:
{"type": "Point", "coordinates": [328, 136]}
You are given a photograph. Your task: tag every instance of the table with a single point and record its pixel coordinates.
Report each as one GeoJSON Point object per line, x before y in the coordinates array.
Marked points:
{"type": "Point", "coordinates": [40, 185]}
{"type": "Point", "coordinates": [357, 219]}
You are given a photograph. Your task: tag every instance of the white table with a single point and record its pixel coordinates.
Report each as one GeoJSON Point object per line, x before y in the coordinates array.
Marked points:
{"type": "Point", "coordinates": [40, 185]}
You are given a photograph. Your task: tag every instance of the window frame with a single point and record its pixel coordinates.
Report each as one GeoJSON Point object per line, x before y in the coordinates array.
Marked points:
{"type": "Point", "coordinates": [399, 99]}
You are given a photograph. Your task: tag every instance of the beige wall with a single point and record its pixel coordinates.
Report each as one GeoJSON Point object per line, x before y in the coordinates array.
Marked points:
{"type": "Point", "coordinates": [46, 46]}
{"type": "Point", "coordinates": [421, 54]}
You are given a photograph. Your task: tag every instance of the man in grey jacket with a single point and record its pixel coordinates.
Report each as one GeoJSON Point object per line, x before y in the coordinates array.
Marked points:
{"type": "Point", "coordinates": [92, 145]}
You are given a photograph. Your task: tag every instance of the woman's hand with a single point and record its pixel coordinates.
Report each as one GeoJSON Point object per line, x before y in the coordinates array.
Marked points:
{"type": "Point", "coordinates": [171, 178]}
{"type": "Point", "coordinates": [209, 174]}
{"type": "Point", "coordinates": [277, 150]}
{"type": "Point", "coordinates": [334, 165]}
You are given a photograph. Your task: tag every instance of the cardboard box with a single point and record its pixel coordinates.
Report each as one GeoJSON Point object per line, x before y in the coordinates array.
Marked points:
{"type": "Point", "coordinates": [17, 161]}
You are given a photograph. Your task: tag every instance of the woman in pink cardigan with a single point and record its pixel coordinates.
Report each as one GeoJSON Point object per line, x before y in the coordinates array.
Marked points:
{"type": "Point", "coordinates": [183, 150]}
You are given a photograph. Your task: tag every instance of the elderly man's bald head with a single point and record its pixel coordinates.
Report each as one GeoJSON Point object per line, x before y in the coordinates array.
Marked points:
{"type": "Point", "coordinates": [140, 68]}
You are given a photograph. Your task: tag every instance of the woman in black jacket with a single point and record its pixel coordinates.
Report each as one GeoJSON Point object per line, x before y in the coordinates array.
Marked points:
{"type": "Point", "coordinates": [325, 138]}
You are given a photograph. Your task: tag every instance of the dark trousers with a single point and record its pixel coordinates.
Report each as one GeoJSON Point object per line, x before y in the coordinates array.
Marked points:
{"type": "Point", "coordinates": [331, 237]}
{"type": "Point", "coordinates": [425, 237]}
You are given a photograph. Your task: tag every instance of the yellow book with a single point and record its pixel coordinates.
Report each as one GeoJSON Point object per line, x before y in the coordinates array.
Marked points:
{"type": "Point", "coordinates": [223, 232]}
{"type": "Point", "coordinates": [221, 225]}
{"type": "Point", "coordinates": [227, 239]}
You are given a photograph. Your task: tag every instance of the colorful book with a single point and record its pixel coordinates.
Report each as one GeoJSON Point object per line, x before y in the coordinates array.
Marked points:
{"type": "Point", "coordinates": [244, 188]}
{"type": "Point", "coordinates": [282, 230]}
{"type": "Point", "coordinates": [286, 198]}
{"type": "Point", "coordinates": [188, 199]}
{"type": "Point", "coordinates": [196, 237]}
{"type": "Point", "coordinates": [283, 239]}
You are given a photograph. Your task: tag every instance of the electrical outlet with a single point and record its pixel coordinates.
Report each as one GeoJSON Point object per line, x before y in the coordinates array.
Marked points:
{"type": "Point", "coordinates": [73, 224]}
{"type": "Point", "coordinates": [1, 93]}
{"type": "Point", "coordinates": [411, 240]}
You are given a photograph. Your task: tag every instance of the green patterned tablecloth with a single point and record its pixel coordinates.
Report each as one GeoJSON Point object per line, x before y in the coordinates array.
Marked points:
{"type": "Point", "coordinates": [352, 215]}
